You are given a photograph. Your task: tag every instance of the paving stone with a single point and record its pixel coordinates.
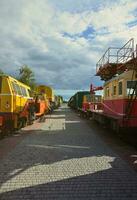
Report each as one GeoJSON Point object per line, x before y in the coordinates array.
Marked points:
{"type": "Point", "coordinates": [63, 158]}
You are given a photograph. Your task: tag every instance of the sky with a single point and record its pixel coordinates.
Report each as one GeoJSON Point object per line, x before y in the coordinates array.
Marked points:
{"type": "Point", "coordinates": [62, 40]}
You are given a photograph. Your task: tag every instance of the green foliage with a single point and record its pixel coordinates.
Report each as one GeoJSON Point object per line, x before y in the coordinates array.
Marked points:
{"type": "Point", "coordinates": [27, 76]}
{"type": "Point", "coordinates": [1, 72]}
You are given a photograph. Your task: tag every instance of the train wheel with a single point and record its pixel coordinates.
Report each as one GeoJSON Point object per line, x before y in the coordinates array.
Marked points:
{"type": "Point", "coordinates": [7, 129]}
{"type": "Point", "coordinates": [88, 115]}
{"type": "Point", "coordinates": [19, 124]}
{"type": "Point", "coordinates": [10, 127]}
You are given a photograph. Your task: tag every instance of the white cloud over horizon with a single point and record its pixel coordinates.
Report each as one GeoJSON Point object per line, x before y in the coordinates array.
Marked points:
{"type": "Point", "coordinates": [62, 40]}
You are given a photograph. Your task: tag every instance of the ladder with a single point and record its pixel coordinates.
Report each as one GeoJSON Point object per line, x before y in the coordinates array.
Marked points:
{"type": "Point", "coordinates": [132, 97]}
{"type": "Point", "coordinates": [131, 100]}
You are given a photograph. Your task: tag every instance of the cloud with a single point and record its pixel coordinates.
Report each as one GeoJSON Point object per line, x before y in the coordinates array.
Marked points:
{"type": "Point", "coordinates": [62, 40]}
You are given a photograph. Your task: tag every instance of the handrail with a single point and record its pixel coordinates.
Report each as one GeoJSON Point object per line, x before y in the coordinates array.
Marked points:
{"type": "Point", "coordinates": [117, 55]}
{"type": "Point", "coordinates": [126, 52]}
{"type": "Point", "coordinates": [110, 56]}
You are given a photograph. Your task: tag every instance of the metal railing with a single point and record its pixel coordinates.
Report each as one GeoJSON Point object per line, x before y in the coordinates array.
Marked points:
{"type": "Point", "coordinates": [110, 56]}
{"type": "Point", "coordinates": [114, 55]}
{"type": "Point", "coordinates": [126, 52]}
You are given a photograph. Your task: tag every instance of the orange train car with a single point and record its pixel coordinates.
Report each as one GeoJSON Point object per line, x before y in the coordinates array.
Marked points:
{"type": "Point", "coordinates": [49, 92]}
{"type": "Point", "coordinates": [42, 105]}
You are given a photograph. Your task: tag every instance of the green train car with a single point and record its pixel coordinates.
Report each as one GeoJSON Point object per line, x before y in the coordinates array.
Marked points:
{"type": "Point", "coordinates": [76, 101]}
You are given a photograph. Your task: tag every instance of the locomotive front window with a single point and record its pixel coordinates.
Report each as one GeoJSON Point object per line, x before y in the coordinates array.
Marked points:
{"type": "Point", "coordinates": [14, 88]}
{"type": "Point", "coordinates": [24, 92]}
{"type": "Point", "coordinates": [131, 87]}
{"type": "Point", "coordinates": [18, 89]}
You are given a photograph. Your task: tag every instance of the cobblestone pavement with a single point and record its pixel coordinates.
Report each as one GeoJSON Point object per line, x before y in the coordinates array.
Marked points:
{"type": "Point", "coordinates": [63, 158]}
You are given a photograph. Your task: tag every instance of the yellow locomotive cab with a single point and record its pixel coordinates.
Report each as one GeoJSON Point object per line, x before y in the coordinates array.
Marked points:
{"type": "Point", "coordinates": [43, 89]}
{"type": "Point", "coordinates": [14, 101]}
{"type": "Point", "coordinates": [46, 90]}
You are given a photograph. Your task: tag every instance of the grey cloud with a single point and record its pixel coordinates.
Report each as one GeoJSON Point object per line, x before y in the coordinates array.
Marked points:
{"type": "Point", "coordinates": [62, 65]}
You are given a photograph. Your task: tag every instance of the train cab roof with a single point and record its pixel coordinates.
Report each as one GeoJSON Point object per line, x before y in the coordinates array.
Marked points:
{"type": "Point", "coordinates": [15, 80]}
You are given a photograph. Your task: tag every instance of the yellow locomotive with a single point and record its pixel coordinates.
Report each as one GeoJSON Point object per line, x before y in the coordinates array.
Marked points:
{"type": "Point", "coordinates": [54, 100]}
{"type": "Point", "coordinates": [16, 105]}
{"type": "Point", "coordinates": [43, 89]}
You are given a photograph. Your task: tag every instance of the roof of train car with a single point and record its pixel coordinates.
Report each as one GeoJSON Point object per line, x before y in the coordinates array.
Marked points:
{"type": "Point", "coordinates": [82, 92]}
{"type": "Point", "coordinates": [46, 86]}
{"type": "Point", "coordinates": [123, 75]}
{"type": "Point", "coordinates": [10, 77]}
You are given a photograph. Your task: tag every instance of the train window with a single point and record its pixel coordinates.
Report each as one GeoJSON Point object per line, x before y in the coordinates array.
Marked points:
{"type": "Point", "coordinates": [92, 98]}
{"type": "Point", "coordinates": [18, 89]}
{"type": "Point", "coordinates": [96, 99]}
{"type": "Point", "coordinates": [24, 92]}
{"type": "Point", "coordinates": [120, 88]}
{"type": "Point", "coordinates": [114, 90]}
{"type": "Point", "coordinates": [107, 91]}
{"type": "Point", "coordinates": [14, 88]}
{"type": "Point", "coordinates": [87, 98]}
{"type": "Point", "coordinates": [131, 87]}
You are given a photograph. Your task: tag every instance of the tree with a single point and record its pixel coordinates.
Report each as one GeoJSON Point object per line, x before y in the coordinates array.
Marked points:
{"type": "Point", "coordinates": [1, 72]}
{"type": "Point", "coordinates": [27, 76]}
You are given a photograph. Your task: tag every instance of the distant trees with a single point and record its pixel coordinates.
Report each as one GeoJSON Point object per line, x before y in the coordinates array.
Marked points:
{"type": "Point", "coordinates": [1, 72]}
{"type": "Point", "coordinates": [26, 76]}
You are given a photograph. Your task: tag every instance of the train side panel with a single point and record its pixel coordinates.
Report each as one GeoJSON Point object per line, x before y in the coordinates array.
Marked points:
{"type": "Point", "coordinates": [118, 99]}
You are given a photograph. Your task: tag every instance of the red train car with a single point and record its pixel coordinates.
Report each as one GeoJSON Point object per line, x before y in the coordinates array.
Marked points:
{"type": "Point", "coordinates": [119, 103]}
